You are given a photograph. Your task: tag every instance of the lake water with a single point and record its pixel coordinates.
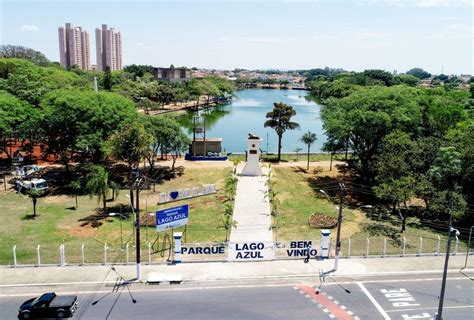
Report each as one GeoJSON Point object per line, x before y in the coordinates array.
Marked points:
{"type": "Point", "coordinates": [246, 113]}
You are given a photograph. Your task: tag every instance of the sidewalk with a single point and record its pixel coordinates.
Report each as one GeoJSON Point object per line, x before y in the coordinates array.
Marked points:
{"type": "Point", "coordinates": [252, 214]}
{"type": "Point", "coordinates": [217, 271]}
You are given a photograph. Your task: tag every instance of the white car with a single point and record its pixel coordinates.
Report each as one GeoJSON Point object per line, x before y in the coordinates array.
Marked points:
{"type": "Point", "coordinates": [33, 184]}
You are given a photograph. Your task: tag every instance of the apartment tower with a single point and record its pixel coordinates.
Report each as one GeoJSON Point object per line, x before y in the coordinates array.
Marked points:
{"type": "Point", "coordinates": [74, 47]}
{"type": "Point", "coordinates": [109, 48]}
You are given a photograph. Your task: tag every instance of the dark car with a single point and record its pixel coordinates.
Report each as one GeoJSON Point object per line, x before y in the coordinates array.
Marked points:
{"type": "Point", "coordinates": [48, 305]}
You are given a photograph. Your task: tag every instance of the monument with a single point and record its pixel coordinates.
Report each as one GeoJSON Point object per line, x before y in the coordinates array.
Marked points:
{"type": "Point", "coordinates": [252, 167]}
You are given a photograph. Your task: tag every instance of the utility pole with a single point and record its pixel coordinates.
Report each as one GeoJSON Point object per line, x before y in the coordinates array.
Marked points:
{"type": "Point", "coordinates": [439, 316]}
{"type": "Point", "coordinates": [342, 188]}
{"type": "Point", "coordinates": [137, 225]}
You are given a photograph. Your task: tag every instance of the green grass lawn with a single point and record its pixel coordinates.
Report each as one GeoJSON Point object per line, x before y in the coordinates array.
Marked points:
{"type": "Point", "coordinates": [58, 222]}
{"type": "Point", "coordinates": [298, 200]}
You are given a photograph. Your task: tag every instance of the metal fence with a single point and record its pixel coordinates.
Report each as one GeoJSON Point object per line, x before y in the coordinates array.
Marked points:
{"type": "Point", "coordinates": [161, 253]}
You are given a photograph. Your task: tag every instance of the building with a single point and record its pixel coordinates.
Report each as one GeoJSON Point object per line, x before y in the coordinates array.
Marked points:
{"type": "Point", "coordinates": [74, 47]}
{"type": "Point", "coordinates": [109, 48]}
{"type": "Point", "coordinates": [172, 74]}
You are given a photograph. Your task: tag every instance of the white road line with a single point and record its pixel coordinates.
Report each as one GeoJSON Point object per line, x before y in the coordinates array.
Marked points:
{"type": "Point", "coordinates": [237, 286]}
{"type": "Point", "coordinates": [430, 308]}
{"type": "Point", "coordinates": [374, 302]}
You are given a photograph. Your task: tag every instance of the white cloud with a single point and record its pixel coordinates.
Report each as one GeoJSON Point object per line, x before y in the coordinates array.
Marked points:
{"type": "Point", "coordinates": [29, 28]}
{"type": "Point", "coordinates": [421, 3]}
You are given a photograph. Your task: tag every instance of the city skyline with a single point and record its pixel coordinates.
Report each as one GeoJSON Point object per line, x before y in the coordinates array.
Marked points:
{"type": "Point", "coordinates": [108, 44]}
{"type": "Point", "coordinates": [435, 35]}
{"type": "Point", "coordinates": [74, 47]}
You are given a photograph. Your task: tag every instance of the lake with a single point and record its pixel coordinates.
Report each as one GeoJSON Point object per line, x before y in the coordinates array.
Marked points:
{"type": "Point", "coordinates": [246, 113]}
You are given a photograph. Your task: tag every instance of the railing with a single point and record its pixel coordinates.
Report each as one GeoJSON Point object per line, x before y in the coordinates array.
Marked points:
{"type": "Point", "coordinates": [106, 254]}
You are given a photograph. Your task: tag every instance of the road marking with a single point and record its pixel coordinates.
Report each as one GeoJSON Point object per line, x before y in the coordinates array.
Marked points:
{"type": "Point", "coordinates": [333, 310]}
{"type": "Point", "coordinates": [229, 282]}
{"type": "Point", "coordinates": [431, 308]}
{"type": "Point", "coordinates": [374, 302]}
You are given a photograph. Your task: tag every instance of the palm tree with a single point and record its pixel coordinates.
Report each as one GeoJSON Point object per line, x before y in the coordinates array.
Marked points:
{"type": "Point", "coordinates": [280, 120]}
{"type": "Point", "coordinates": [98, 184]}
{"type": "Point", "coordinates": [308, 138]}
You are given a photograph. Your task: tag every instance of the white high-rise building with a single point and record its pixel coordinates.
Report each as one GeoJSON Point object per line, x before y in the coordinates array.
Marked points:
{"type": "Point", "coordinates": [109, 48]}
{"type": "Point", "coordinates": [74, 47]}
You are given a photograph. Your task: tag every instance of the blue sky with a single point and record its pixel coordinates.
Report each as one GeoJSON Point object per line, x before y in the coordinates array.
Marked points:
{"type": "Point", "coordinates": [354, 35]}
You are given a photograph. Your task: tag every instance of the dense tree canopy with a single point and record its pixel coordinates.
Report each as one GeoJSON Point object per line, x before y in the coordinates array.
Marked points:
{"type": "Point", "coordinates": [76, 123]}
{"type": "Point", "coordinates": [404, 138]}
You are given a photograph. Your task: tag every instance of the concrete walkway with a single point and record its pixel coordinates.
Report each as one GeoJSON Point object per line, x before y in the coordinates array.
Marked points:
{"type": "Point", "coordinates": [253, 216]}
{"type": "Point", "coordinates": [226, 271]}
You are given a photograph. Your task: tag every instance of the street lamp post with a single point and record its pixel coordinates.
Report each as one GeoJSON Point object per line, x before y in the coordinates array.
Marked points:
{"type": "Point", "coordinates": [113, 214]}
{"type": "Point", "coordinates": [339, 223]}
{"type": "Point", "coordinates": [439, 316]}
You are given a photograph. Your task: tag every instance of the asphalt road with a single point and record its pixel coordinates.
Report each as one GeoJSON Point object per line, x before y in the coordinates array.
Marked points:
{"type": "Point", "coordinates": [390, 297]}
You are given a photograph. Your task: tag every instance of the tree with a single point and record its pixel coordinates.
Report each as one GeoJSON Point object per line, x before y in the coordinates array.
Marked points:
{"type": "Point", "coordinates": [12, 51]}
{"type": "Point", "coordinates": [308, 139]}
{"type": "Point", "coordinates": [228, 222]}
{"type": "Point", "coordinates": [178, 144]}
{"type": "Point", "coordinates": [385, 77]}
{"type": "Point", "coordinates": [75, 123]}
{"type": "Point", "coordinates": [13, 113]}
{"type": "Point", "coordinates": [130, 144]}
{"type": "Point", "coordinates": [165, 95]}
{"type": "Point", "coordinates": [395, 176]}
{"type": "Point", "coordinates": [407, 79]}
{"type": "Point", "coordinates": [230, 186]}
{"type": "Point", "coordinates": [361, 120]}
{"type": "Point", "coordinates": [107, 82]}
{"type": "Point", "coordinates": [98, 184]}
{"type": "Point", "coordinates": [168, 137]}
{"type": "Point", "coordinates": [419, 73]}
{"type": "Point", "coordinates": [75, 186]}
{"type": "Point", "coordinates": [138, 70]}
{"type": "Point", "coordinates": [34, 194]}
{"type": "Point", "coordinates": [280, 120]}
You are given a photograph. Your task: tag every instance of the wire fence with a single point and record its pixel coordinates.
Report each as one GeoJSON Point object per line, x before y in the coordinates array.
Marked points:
{"type": "Point", "coordinates": [152, 253]}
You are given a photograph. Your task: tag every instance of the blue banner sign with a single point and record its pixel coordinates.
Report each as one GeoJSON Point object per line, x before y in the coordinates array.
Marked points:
{"type": "Point", "coordinates": [171, 218]}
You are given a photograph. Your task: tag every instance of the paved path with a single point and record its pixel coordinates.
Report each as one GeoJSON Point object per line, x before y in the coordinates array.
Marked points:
{"type": "Point", "coordinates": [253, 216]}
{"type": "Point", "coordinates": [229, 271]}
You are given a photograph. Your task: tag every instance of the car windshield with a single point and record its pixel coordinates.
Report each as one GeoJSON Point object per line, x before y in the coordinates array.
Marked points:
{"type": "Point", "coordinates": [41, 185]}
{"type": "Point", "coordinates": [43, 298]}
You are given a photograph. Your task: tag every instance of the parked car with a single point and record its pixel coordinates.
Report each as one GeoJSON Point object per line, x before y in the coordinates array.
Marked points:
{"type": "Point", "coordinates": [39, 185]}
{"type": "Point", "coordinates": [48, 305]}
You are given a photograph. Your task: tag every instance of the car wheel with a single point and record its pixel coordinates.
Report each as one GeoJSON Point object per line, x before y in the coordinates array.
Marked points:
{"type": "Point", "coordinates": [26, 315]}
{"type": "Point", "coordinates": [60, 314]}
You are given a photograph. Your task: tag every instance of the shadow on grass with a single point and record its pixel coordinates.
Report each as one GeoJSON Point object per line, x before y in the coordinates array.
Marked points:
{"type": "Point", "coordinates": [96, 220]}
{"type": "Point", "coordinates": [27, 217]}
{"type": "Point", "coordinates": [71, 208]}
{"type": "Point", "coordinates": [387, 231]}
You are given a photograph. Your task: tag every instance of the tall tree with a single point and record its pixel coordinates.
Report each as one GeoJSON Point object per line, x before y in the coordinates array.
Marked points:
{"type": "Point", "coordinates": [308, 139]}
{"type": "Point", "coordinates": [279, 119]}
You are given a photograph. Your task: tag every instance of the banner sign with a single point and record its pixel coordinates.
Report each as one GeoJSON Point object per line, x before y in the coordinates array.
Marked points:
{"type": "Point", "coordinates": [171, 218]}
{"type": "Point", "coordinates": [248, 251]}
{"type": "Point", "coordinates": [301, 249]}
{"type": "Point", "coordinates": [181, 194]}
